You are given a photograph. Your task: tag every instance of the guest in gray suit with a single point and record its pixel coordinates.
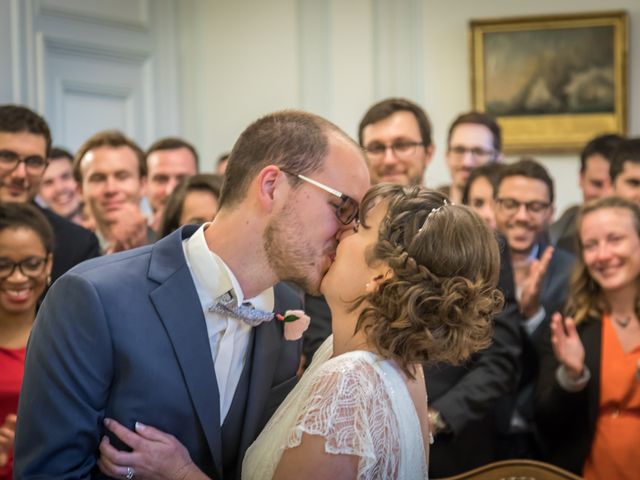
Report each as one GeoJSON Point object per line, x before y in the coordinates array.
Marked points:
{"type": "Point", "coordinates": [149, 337]}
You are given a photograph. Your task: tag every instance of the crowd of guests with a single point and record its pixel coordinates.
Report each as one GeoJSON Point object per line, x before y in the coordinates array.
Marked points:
{"type": "Point", "coordinates": [560, 379]}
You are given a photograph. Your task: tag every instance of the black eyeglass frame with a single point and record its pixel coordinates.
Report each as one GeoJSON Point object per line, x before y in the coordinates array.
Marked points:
{"type": "Point", "coordinates": [476, 152]}
{"type": "Point", "coordinates": [535, 207]}
{"type": "Point", "coordinates": [19, 265]}
{"type": "Point", "coordinates": [9, 161]}
{"type": "Point", "coordinates": [396, 147]}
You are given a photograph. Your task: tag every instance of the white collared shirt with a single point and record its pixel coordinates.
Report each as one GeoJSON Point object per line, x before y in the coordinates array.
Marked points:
{"type": "Point", "coordinates": [228, 337]}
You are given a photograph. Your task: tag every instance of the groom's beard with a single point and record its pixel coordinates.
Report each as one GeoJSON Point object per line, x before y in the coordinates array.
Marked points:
{"type": "Point", "coordinates": [291, 254]}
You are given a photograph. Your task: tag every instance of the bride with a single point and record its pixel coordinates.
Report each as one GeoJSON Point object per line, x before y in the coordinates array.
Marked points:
{"type": "Point", "coordinates": [414, 283]}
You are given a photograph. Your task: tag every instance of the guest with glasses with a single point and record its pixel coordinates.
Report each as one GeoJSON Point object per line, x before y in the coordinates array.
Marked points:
{"type": "Point", "coordinates": [25, 144]}
{"type": "Point", "coordinates": [524, 208]}
{"type": "Point", "coordinates": [26, 242]}
{"type": "Point", "coordinates": [396, 136]}
{"type": "Point", "coordinates": [588, 405]}
{"type": "Point", "coordinates": [474, 139]}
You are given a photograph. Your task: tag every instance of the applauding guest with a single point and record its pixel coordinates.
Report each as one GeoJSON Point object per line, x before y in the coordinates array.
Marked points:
{"type": "Point", "coordinates": [588, 387]}
{"type": "Point", "coordinates": [26, 242]}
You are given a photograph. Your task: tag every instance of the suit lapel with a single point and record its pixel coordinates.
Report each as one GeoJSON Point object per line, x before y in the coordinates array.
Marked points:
{"type": "Point", "coordinates": [178, 307]}
{"type": "Point", "coordinates": [267, 342]}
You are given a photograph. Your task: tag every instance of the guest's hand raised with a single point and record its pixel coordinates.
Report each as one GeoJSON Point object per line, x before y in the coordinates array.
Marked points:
{"type": "Point", "coordinates": [7, 436]}
{"type": "Point", "coordinates": [156, 455]}
{"type": "Point", "coordinates": [530, 298]}
{"type": "Point", "coordinates": [130, 229]}
{"type": "Point", "coordinates": [567, 345]}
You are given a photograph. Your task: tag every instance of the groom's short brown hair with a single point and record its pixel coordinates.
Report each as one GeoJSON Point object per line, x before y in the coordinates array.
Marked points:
{"type": "Point", "coordinates": [293, 140]}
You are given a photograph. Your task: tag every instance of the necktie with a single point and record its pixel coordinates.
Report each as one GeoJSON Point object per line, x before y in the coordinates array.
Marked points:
{"type": "Point", "coordinates": [226, 305]}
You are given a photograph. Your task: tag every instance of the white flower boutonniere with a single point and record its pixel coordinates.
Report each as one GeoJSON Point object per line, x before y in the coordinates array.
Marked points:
{"type": "Point", "coordinates": [296, 323]}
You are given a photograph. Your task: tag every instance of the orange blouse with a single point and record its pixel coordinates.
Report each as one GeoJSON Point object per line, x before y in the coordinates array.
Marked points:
{"type": "Point", "coordinates": [614, 450]}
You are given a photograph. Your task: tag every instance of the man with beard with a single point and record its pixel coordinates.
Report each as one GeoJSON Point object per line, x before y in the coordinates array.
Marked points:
{"type": "Point", "coordinates": [396, 135]}
{"type": "Point", "coordinates": [524, 208]}
{"type": "Point", "coordinates": [155, 335]}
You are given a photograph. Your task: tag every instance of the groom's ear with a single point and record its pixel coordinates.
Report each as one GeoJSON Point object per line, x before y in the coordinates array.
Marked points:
{"type": "Point", "coordinates": [268, 184]}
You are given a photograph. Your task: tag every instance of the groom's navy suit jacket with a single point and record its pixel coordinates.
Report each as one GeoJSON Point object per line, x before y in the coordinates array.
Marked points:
{"type": "Point", "coordinates": [124, 336]}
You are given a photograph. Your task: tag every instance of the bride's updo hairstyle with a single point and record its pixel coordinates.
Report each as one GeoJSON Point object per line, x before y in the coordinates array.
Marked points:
{"type": "Point", "coordinates": [439, 303]}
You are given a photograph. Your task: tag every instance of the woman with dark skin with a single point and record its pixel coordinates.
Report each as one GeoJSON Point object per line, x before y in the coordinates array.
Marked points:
{"type": "Point", "coordinates": [26, 241]}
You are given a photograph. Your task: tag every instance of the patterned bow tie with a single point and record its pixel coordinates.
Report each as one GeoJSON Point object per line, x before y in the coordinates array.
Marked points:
{"type": "Point", "coordinates": [226, 305]}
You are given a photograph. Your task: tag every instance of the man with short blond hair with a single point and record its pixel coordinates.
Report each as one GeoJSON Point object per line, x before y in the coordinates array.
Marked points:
{"type": "Point", "coordinates": [112, 173]}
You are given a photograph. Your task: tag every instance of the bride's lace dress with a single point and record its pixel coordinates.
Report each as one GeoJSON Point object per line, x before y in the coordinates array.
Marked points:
{"type": "Point", "coordinates": [360, 405]}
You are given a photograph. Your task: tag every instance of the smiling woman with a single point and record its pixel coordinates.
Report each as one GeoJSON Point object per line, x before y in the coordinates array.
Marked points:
{"type": "Point", "coordinates": [26, 241]}
{"type": "Point", "coordinates": [589, 394]}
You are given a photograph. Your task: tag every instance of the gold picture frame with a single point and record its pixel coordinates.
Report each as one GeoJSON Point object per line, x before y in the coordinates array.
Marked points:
{"type": "Point", "coordinates": [552, 82]}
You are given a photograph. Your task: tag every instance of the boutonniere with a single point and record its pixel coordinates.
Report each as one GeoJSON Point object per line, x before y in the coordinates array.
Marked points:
{"type": "Point", "coordinates": [295, 322]}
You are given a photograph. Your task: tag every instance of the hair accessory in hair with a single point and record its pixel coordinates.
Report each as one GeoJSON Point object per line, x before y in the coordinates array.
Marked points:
{"type": "Point", "coordinates": [433, 210]}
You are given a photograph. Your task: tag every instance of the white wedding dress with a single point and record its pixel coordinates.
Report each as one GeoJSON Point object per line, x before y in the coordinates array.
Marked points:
{"type": "Point", "coordinates": [360, 405]}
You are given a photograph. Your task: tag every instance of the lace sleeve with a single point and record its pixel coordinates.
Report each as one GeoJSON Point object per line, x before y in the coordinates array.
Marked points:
{"type": "Point", "coordinates": [350, 408]}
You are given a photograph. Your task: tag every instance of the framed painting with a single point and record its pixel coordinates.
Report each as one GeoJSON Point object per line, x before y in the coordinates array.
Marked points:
{"type": "Point", "coordinates": [552, 82]}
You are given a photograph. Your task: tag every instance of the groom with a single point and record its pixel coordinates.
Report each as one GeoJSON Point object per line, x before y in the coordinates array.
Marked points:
{"type": "Point", "coordinates": [138, 336]}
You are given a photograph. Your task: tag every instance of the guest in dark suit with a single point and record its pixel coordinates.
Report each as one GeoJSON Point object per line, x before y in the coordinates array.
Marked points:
{"type": "Point", "coordinates": [25, 142]}
{"type": "Point", "coordinates": [595, 182]}
{"type": "Point", "coordinates": [588, 397]}
{"type": "Point", "coordinates": [464, 398]}
{"type": "Point", "coordinates": [524, 207]}
{"type": "Point", "coordinates": [150, 335]}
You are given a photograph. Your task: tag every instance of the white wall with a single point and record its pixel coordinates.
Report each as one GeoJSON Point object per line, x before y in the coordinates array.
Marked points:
{"type": "Point", "coordinates": [242, 59]}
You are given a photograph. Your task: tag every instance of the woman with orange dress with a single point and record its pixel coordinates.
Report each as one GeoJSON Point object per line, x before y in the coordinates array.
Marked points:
{"type": "Point", "coordinates": [589, 384]}
{"type": "Point", "coordinates": [26, 241]}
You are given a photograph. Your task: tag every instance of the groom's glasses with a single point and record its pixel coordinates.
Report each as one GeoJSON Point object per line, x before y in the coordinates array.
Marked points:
{"type": "Point", "coordinates": [346, 211]}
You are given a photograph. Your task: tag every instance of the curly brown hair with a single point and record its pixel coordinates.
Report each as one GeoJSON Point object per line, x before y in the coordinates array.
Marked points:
{"type": "Point", "coordinates": [439, 303]}
{"type": "Point", "coordinates": [586, 298]}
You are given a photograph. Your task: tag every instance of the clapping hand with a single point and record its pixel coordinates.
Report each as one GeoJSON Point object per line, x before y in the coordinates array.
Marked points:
{"type": "Point", "coordinates": [567, 345]}
{"type": "Point", "coordinates": [130, 229]}
{"type": "Point", "coordinates": [7, 435]}
{"type": "Point", "coordinates": [530, 298]}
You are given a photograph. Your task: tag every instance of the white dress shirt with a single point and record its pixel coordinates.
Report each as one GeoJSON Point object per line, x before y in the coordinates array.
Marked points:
{"type": "Point", "coordinates": [228, 337]}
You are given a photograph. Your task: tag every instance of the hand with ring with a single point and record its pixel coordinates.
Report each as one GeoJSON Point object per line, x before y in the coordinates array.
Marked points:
{"type": "Point", "coordinates": [156, 455]}
{"type": "Point", "coordinates": [130, 473]}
